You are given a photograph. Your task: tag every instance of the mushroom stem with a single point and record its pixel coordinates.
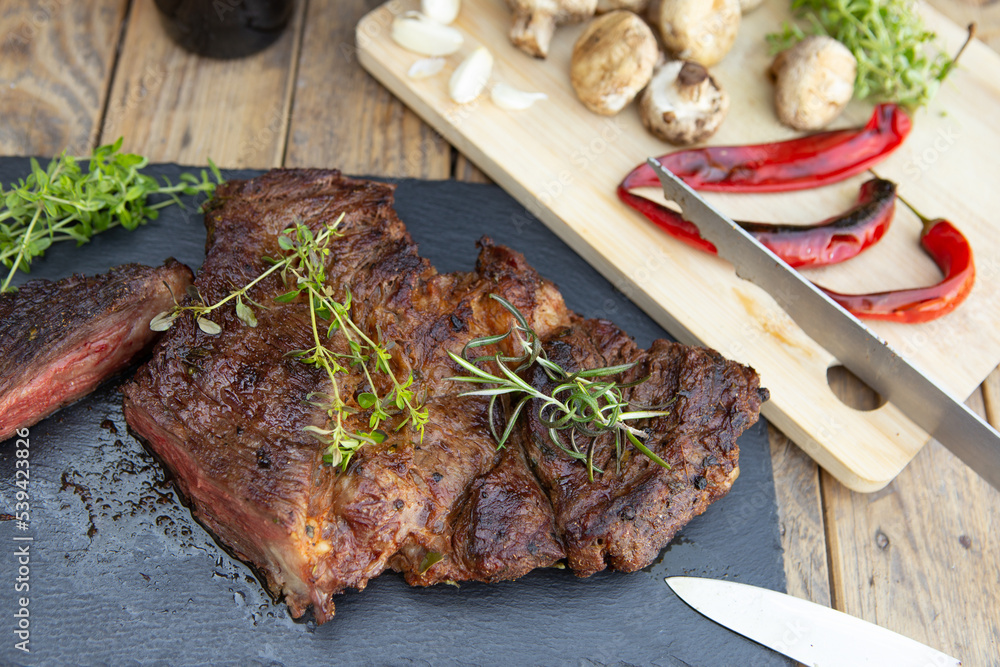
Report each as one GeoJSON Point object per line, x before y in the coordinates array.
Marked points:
{"type": "Point", "coordinates": [532, 32]}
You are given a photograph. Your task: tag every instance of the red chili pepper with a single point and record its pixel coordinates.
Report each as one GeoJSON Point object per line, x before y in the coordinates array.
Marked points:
{"type": "Point", "coordinates": [951, 251]}
{"type": "Point", "coordinates": [833, 240]}
{"type": "Point", "coordinates": [806, 162]}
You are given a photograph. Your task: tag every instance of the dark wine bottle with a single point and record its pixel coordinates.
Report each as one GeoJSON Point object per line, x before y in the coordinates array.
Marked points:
{"type": "Point", "coordinates": [225, 28]}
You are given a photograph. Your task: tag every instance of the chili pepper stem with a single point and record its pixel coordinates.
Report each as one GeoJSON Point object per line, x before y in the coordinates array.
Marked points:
{"type": "Point", "coordinates": [968, 39]}
{"type": "Point", "coordinates": [924, 220]}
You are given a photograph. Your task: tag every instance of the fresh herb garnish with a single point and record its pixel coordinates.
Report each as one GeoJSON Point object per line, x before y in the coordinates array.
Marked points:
{"type": "Point", "coordinates": [898, 60]}
{"type": "Point", "coordinates": [64, 203]}
{"type": "Point", "coordinates": [303, 267]}
{"type": "Point", "coordinates": [583, 405]}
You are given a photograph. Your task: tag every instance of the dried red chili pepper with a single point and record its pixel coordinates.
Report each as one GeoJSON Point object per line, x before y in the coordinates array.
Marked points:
{"type": "Point", "coordinates": [806, 162]}
{"type": "Point", "coordinates": [833, 240]}
{"type": "Point", "coordinates": [951, 251]}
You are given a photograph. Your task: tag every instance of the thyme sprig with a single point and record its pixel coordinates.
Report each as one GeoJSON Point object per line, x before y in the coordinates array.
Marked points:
{"type": "Point", "coordinates": [583, 405]}
{"type": "Point", "coordinates": [898, 59]}
{"type": "Point", "coordinates": [303, 267]}
{"type": "Point", "coordinates": [62, 202]}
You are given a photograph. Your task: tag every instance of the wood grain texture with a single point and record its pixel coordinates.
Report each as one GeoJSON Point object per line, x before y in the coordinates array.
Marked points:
{"type": "Point", "coordinates": [800, 517]}
{"type": "Point", "coordinates": [563, 163]}
{"type": "Point", "coordinates": [921, 577]}
{"type": "Point", "coordinates": [171, 105]}
{"type": "Point", "coordinates": [985, 13]}
{"type": "Point", "coordinates": [921, 556]}
{"type": "Point", "coordinates": [465, 170]}
{"type": "Point", "coordinates": [343, 118]}
{"type": "Point", "coordinates": [56, 59]}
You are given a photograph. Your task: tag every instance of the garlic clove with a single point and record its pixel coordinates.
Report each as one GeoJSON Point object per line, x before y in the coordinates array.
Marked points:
{"type": "Point", "coordinates": [508, 97]}
{"type": "Point", "coordinates": [442, 11]}
{"type": "Point", "coordinates": [470, 77]}
{"type": "Point", "coordinates": [415, 32]}
{"type": "Point", "coordinates": [425, 67]}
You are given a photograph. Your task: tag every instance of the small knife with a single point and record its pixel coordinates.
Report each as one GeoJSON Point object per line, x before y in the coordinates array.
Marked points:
{"type": "Point", "coordinates": [804, 631]}
{"type": "Point", "coordinates": [856, 346]}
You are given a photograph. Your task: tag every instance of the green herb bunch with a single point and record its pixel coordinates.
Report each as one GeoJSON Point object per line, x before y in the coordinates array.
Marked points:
{"type": "Point", "coordinates": [581, 407]}
{"type": "Point", "coordinates": [898, 60]}
{"type": "Point", "coordinates": [65, 203]}
{"type": "Point", "coordinates": [303, 268]}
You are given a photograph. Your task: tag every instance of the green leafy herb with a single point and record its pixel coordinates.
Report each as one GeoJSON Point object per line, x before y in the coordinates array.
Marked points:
{"type": "Point", "coordinates": [582, 406]}
{"type": "Point", "coordinates": [65, 203]}
{"type": "Point", "coordinates": [898, 59]}
{"type": "Point", "coordinates": [303, 266]}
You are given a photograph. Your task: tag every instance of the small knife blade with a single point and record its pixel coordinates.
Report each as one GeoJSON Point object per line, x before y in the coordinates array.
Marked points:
{"type": "Point", "coordinates": [856, 346]}
{"type": "Point", "coordinates": [805, 631]}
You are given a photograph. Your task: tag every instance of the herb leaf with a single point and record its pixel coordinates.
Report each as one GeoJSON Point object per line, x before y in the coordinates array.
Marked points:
{"type": "Point", "coordinates": [304, 265]}
{"type": "Point", "coordinates": [63, 202]}
{"type": "Point", "coordinates": [898, 57]}
{"type": "Point", "coordinates": [585, 404]}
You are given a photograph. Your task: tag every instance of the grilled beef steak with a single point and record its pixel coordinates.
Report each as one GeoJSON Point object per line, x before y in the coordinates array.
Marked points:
{"type": "Point", "coordinates": [59, 340]}
{"type": "Point", "coordinates": [226, 413]}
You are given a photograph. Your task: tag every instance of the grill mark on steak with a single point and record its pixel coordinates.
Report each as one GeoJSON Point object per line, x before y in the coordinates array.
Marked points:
{"type": "Point", "coordinates": [60, 340]}
{"type": "Point", "coordinates": [209, 406]}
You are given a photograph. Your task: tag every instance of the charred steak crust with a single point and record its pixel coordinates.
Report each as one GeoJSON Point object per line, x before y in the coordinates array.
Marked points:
{"type": "Point", "coordinates": [226, 414]}
{"type": "Point", "coordinates": [59, 340]}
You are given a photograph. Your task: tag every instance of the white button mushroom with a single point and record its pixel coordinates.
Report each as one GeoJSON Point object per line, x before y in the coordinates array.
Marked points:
{"type": "Point", "coordinates": [814, 81]}
{"type": "Point", "coordinates": [637, 6]}
{"type": "Point", "coordinates": [536, 20]}
{"type": "Point", "coordinates": [683, 104]}
{"type": "Point", "coordinates": [699, 30]}
{"type": "Point", "coordinates": [612, 61]}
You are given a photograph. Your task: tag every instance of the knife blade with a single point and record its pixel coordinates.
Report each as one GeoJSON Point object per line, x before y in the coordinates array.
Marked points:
{"type": "Point", "coordinates": [857, 347]}
{"type": "Point", "coordinates": [803, 630]}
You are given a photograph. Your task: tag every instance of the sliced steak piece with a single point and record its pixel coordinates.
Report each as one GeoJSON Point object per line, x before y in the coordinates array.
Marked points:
{"type": "Point", "coordinates": [59, 340]}
{"type": "Point", "coordinates": [624, 517]}
{"type": "Point", "coordinates": [226, 413]}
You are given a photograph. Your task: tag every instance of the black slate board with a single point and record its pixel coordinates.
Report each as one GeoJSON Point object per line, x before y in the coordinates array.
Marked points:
{"type": "Point", "coordinates": [121, 574]}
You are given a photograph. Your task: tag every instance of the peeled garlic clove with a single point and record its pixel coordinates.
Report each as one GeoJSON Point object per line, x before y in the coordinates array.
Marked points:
{"type": "Point", "coordinates": [442, 11]}
{"type": "Point", "coordinates": [415, 32]}
{"type": "Point", "coordinates": [425, 67]}
{"type": "Point", "coordinates": [470, 77]}
{"type": "Point", "coordinates": [508, 97]}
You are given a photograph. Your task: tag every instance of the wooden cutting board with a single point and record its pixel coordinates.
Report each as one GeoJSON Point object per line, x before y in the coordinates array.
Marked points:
{"type": "Point", "coordinates": [562, 163]}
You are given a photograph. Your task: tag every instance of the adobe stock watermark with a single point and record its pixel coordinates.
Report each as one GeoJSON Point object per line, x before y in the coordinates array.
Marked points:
{"type": "Point", "coordinates": [29, 28]}
{"type": "Point", "coordinates": [918, 165]}
{"type": "Point", "coordinates": [22, 542]}
{"type": "Point", "coordinates": [370, 30]}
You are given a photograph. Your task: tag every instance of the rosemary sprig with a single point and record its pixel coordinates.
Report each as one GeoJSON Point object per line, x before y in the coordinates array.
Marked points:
{"type": "Point", "coordinates": [585, 404]}
{"type": "Point", "coordinates": [896, 53]}
{"type": "Point", "coordinates": [64, 203]}
{"type": "Point", "coordinates": [303, 266]}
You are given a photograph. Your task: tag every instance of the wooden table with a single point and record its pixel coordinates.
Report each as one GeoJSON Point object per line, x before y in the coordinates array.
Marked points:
{"type": "Point", "coordinates": [921, 557]}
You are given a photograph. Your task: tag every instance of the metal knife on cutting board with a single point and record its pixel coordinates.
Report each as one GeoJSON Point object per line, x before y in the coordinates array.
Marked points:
{"type": "Point", "coordinates": [856, 346]}
{"type": "Point", "coordinates": [805, 631]}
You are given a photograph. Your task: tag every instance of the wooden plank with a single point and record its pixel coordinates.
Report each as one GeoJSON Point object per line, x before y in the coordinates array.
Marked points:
{"type": "Point", "coordinates": [171, 105]}
{"type": "Point", "coordinates": [922, 556]}
{"type": "Point", "coordinates": [563, 163]}
{"type": "Point", "coordinates": [56, 59]}
{"type": "Point", "coordinates": [991, 397]}
{"type": "Point", "coordinates": [465, 170]}
{"type": "Point", "coordinates": [800, 520]}
{"type": "Point", "coordinates": [343, 118]}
